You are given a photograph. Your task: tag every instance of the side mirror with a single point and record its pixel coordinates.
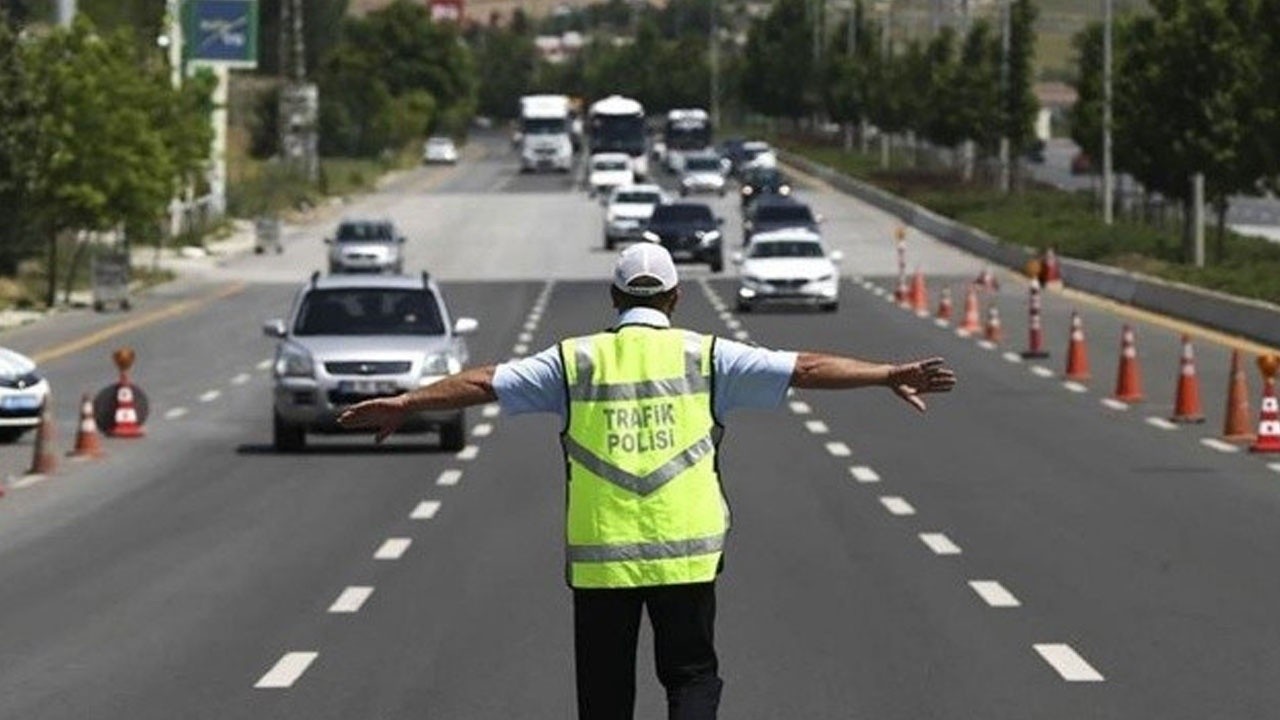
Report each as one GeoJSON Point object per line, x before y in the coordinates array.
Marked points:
{"type": "Point", "coordinates": [465, 326]}
{"type": "Point", "coordinates": [719, 221]}
{"type": "Point", "coordinates": [837, 256]}
{"type": "Point", "coordinates": [738, 259]}
{"type": "Point", "coordinates": [274, 328]}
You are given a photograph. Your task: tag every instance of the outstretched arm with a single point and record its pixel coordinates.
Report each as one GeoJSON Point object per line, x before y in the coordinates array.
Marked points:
{"type": "Point", "coordinates": [820, 371]}
{"type": "Point", "coordinates": [473, 386]}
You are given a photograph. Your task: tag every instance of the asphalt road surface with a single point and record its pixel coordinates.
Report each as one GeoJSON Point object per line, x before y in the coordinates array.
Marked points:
{"type": "Point", "coordinates": [1024, 550]}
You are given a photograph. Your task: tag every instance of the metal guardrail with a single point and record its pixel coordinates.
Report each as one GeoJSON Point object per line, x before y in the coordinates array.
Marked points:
{"type": "Point", "coordinates": [1253, 319]}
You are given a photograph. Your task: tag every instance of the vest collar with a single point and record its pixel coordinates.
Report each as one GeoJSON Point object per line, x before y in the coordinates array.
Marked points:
{"type": "Point", "coordinates": [643, 316]}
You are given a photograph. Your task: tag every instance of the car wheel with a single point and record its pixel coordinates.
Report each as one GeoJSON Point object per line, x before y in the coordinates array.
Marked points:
{"type": "Point", "coordinates": [11, 434]}
{"type": "Point", "coordinates": [453, 436]}
{"type": "Point", "coordinates": [830, 307]}
{"type": "Point", "coordinates": [717, 264]}
{"type": "Point", "coordinates": [287, 437]}
{"type": "Point", "coordinates": [609, 243]}
{"type": "Point", "coordinates": [744, 307]}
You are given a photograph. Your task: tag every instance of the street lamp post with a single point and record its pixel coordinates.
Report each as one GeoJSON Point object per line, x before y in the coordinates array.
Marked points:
{"type": "Point", "coordinates": [1108, 179]}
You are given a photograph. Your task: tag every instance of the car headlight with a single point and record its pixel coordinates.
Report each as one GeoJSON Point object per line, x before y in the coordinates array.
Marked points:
{"type": "Point", "coordinates": [293, 361]}
{"type": "Point", "coordinates": [652, 236]}
{"type": "Point", "coordinates": [784, 189]}
{"type": "Point", "coordinates": [442, 364]}
{"type": "Point", "coordinates": [824, 278]}
{"type": "Point", "coordinates": [751, 280]}
{"type": "Point", "coordinates": [747, 189]}
{"type": "Point", "coordinates": [709, 236]}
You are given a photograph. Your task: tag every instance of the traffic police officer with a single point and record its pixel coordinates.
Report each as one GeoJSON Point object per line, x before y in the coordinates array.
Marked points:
{"type": "Point", "coordinates": [646, 519]}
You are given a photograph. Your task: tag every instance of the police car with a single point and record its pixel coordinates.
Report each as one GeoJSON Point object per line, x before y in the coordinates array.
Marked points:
{"type": "Point", "coordinates": [22, 393]}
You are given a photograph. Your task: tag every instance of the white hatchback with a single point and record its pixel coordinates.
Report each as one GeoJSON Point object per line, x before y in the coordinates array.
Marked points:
{"type": "Point", "coordinates": [23, 391]}
{"type": "Point", "coordinates": [788, 266]}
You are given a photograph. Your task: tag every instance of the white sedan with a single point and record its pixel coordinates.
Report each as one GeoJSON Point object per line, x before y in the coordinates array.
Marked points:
{"type": "Point", "coordinates": [439, 149]}
{"type": "Point", "coordinates": [23, 391]}
{"type": "Point", "coordinates": [791, 267]}
{"type": "Point", "coordinates": [628, 210]}
{"type": "Point", "coordinates": [609, 170]}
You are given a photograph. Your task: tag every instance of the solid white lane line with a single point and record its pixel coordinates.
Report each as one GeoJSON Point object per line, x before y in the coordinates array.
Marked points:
{"type": "Point", "coordinates": [839, 449]}
{"type": "Point", "coordinates": [241, 379]}
{"type": "Point", "coordinates": [741, 335]}
{"type": "Point", "coordinates": [525, 337]}
{"type": "Point", "coordinates": [491, 411]}
{"type": "Point", "coordinates": [175, 413]}
{"type": "Point", "coordinates": [449, 477]}
{"type": "Point", "coordinates": [1041, 371]}
{"type": "Point", "coordinates": [265, 364]}
{"type": "Point", "coordinates": [864, 474]}
{"type": "Point", "coordinates": [520, 349]}
{"type": "Point", "coordinates": [425, 510]}
{"type": "Point", "coordinates": [1161, 423]}
{"type": "Point", "coordinates": [210, 396]}
{"type": "Point", "coordinates": [896, 505]}
{"type": "Point", "coordinates": [1115, 404]}
{"type": "Point", "coordinates": [817, 427]}
{"type": "Point", "coordinates": [1012, 357]}
{"type": "Point", "coordinates": [393, 548]}
{"type": "Point", "coordinates": [1068, 663]}
{"type": "Point", "coordinates": [986, 345]}
{"type": "Point", "coordinates": [351, 599]}
{"type": "Point", "coordinates": [940, 544]}
{"type": "Point", "coordinates": [287, 670]}
{"type": "Point", "coordinates": [800, 407]}
{"type": "Point", "coordinates": [1219, 445]}
{"type": "Point", "coordinates": [994, 593]}
{"type": "Point", "coordinates": [1075, 387]}
{"type": "Point", "coordinates": [482, 430]}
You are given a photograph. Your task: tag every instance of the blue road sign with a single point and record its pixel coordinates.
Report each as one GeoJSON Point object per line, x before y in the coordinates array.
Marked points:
{"type": "Point", "coordinates": [222, 32]}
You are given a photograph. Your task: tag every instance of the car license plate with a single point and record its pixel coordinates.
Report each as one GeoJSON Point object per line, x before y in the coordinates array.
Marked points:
{"type": "Point", "coordinates": [368, 387]}
{"type": "Point", "coordinates": [20, 402]}
{"type": "Point", "coordinates": [681, 254]}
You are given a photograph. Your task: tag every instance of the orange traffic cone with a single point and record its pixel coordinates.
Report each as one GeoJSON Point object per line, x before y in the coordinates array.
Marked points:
{"type": "Point", "coordinates": [971, 323]}
{"type": "Point", "coordinates": [944, 305]}
{"type": "Point", "coordinates": [994, 333]}
{"type": "Point", "coordinates": [1077, 353]}
{"type": "Point", "coordinates": [88, 441]}
{"type": "Point", "coordinates": [1050, 272]}
{"type": "Point", "coordinates": [1186, 404]}
{"type": "Point", "coordinates": [919, 295]}
{"type": "Point", "coordinates": [1236, 427]}
{"type": "Point", "coordinates": [43, 461]}
{"type": "Point", "coordinates": [1268, 440]}
{"type": "Point", "coordinates": [1129, 377]}
{"type": "Point", "coordinates": [126, 423]}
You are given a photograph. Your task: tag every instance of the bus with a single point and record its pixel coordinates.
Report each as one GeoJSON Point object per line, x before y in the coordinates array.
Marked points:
{"type": "Point", "coordinates": [616, 124]}
{"type": "Point", "coordinates": [686, 130]}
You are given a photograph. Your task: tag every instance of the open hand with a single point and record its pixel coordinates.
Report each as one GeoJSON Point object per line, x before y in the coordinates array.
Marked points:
{"type": "Point", "coordinates": [912, 380]}
{"type": "Point", "coordinates": [385, 415]}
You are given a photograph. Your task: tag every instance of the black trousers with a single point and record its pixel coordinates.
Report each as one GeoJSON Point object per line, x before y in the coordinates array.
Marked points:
{"type": "Point", "coordinates": [605, 626]}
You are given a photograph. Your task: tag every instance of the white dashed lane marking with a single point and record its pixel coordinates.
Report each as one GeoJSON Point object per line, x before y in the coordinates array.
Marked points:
{"type": "Point", "coordinates": [1115, 404]}
{"type": "Point", "coordinates": [175, 413]}
{"type": "Point", "coordinates": [994, 594]}
{"type": "Point", "coordinates": [351, 599]}
{"type": "Point", "coordinates": [287, 670]}
{"type": "Point", "coordinates": [530, 326]}
{"type": "Point", "coordinates": [449, 477]}
{"type": "Point", "coordinates": [939, 543]}
{"type": "Point", "coordinates": [817, 427]}
{"type": "Point", "coordinates": [1070, 666]}
{"type": "Point", "coordinates": [1075, 387]}
{"type": "Point", "coordinates": [940, 322]}
{"type": "Point", "coordinates": [491, 411]}
{"type": "Point", "coordinates": [393, 548]}
{"type": "Point", "coordinates": [800, 408]}
{"type": "Point", "coordinates": [1012, 357]}
{"type": "Point", "coordinates": [864, 474]}
{"type": "Point", "coordinates": [1219, 445]}
{"type": "Point", "coordinates": [732, 324]}
{"type": "Point", "coordinates": [741, 335]}
{"type": "Point", "coordinates": [210, 396]}
{"type": "Point", "coordinates": [468, 453]}
{"type": "Point", "coordinates": [520, 349]}
{"type": "Point", "coordinates": [1274, 467]}
{"type": "Point", "coordinates": [241, 379]}
{"type": "Point", "coordinates": [265, 364]}
{"type": "Point", "coordinates": [425, 510]}
{"type": "Point", "coordinates": [1041, 371]}
{"type": "Point", "coordinates": [482, 430]}
{"type": "Point", "coordinates": [1159, 422]}
{"type": "Point", "coordinates": [525, 337]}
{"type": "Point", "coordinates": [839, 449]}
{"type": "Point", "coordinates": [896, 505]}
{"type": "Point", "coordinates": [986, 345]}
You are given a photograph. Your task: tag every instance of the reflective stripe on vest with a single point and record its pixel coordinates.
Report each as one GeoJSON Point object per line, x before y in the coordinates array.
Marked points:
{"type": "Point", "coordinates": [645, 506]}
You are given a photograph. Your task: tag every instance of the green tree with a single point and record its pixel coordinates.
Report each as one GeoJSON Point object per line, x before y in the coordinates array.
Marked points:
{"type": "Point", "coordinates": [779, 62]}
{"type": "Point", "coordinates": [506, 62]}
{"type": "Point", "coordinates": [978, 83]}
{"type": "Point", "coordinates": [1018, 104]}
{"type": "Point", "coordinates": [19, 136]}
{"type": "Point", "coordinates": [1086, 115]}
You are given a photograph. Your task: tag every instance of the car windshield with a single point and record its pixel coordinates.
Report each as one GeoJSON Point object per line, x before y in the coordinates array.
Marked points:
{"type": "Point", "coordinates": [369, 311]}
{"type": "Point", "coordinates": [610, 165]}
{"type": "Point", "coordinates": [642, 198]}
{"type": "Point", "coordinates": [784, 213]}
{"type": "Point", "coordinates": [765, 176]}
{"type": "Point", "coordinates": [440, 142]}
{"type": "Point", "coordinates": [682, 213]}
{"type": "Point", "coordinates": [786, 249]}
{"type": "Point", "coordinates": [544, 126]}
{"type": "Point", "coordinates": [702, 163]}
{"type": "Point", "coordinates": [364, 232]}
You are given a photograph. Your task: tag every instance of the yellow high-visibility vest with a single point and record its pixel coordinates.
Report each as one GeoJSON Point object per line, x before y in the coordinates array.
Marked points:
{"type": "Point", "coordinates": [645, 506]}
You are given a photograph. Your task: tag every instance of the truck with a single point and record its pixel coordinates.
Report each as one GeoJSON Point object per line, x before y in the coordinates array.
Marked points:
{"type": "Point", "coordinates": [545, 141]}
{"type": "Point", "coordinates": [615, 124]}
{"type": "Point", "coordinates": [686, 130]}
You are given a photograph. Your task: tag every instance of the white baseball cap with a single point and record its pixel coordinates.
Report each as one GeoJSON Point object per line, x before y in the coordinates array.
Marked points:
{"type": "Point", "coordinates": [644, 262]}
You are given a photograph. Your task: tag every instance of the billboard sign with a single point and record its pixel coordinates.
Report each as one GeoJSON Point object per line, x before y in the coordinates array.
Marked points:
{"type": "Point", "coordinates": [221, 32]}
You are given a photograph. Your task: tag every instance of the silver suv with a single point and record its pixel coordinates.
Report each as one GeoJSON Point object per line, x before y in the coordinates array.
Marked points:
{"type": "Point", "coordinates": [366, 246]}
{"type": "Point", "coordinates": [349, 338]}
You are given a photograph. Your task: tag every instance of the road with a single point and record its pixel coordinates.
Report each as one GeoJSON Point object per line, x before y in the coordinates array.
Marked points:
{"type": "Point", "coordinates": [1022, 550]}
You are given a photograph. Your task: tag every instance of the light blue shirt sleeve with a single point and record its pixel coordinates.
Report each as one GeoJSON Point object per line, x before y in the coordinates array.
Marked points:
{"type": "Point", "coordinates": [750, 377]}
{"type": "Point", "coordinates": [532, 384]}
